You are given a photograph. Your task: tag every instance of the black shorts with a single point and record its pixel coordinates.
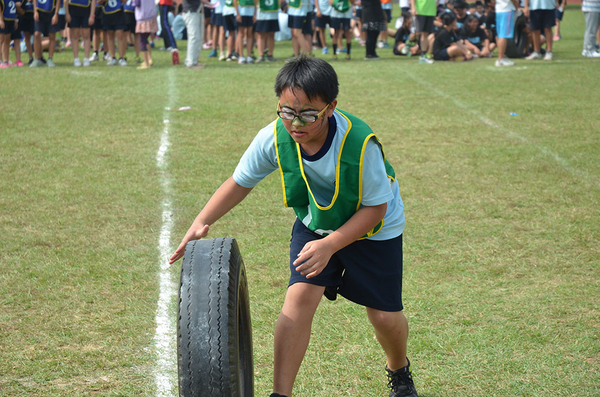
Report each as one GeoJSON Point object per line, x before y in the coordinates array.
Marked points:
{"type": "Point", "coordinates": [366, 272]}
{"type": "Point", "coordinates": [79, 17]}
{"type": "Point", "coordinates": [207, 12]}
{"type": "Point", "coordinates": [442, 55]}
{"type": "Point", "coordinates": [98, 19]}
{"type": "Point", "coordinates": [229, 23]}
{"type": "Point", "coordinates": [247, 22]}
{"type": "Point", "coordinates": [216, 19]}
{"type": "Point", "coordinates": [44, 25]}
{"type": "Point", "coordinates": [424, 23]}
{"type": "Point", "coordinates": [301, 22]}
{"type": "Point", "coordinates": [114, 21]}
{"type": "Point", "coordinates": [265, 26]}
{"type": "Point", "coordinates": [62, 22]}
{"type": "Point", "coordinates": [9, 27]}
{"type": "Point", "coordinates": [322, 21]}
{"type": "Point", "coordinates": [130, 21]}
{"type": "Point", "coordinates": [340, 23]}
{"type": "Point", "coordinates": [542, 19]}
{"type": "Point", "coordinates": [26, 24]}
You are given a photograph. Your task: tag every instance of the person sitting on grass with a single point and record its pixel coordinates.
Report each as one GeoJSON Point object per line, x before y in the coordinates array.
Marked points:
{"type": "Point", "coordinates": [404, 40]}
{"type": "Point", "coordinates": [447, 46]}
{"type": "Point", "coordinates": [347, 237]}
{"type": "Point", "coordinates": [475, 38]}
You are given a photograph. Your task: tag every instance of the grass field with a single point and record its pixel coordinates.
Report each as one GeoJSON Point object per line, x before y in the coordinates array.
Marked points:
{"type": "Point", "coordinates": [502, 259]}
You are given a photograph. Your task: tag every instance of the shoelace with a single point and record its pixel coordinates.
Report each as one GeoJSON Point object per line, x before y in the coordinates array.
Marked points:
{"type": "Point", "coordinates": [396, 380]}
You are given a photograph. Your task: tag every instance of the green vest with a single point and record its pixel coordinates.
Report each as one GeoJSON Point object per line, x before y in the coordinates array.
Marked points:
{"type": "Point", "coordinates": [269, 5]}
{"type": "Point", "coordinates": [348, 189]}
{"type": "Point", "coordinates": [246, 3]}
{"type": "Point", "coordinates": [341, 5]}
{"type": "Point", "coordinates": [295, 3]}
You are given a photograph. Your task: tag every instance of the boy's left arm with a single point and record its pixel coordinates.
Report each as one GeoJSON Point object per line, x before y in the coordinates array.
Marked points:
{"type": "Point", "coordinates": [316, 254]}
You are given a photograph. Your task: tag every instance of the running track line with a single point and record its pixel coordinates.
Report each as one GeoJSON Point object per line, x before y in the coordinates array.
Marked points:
{"type": "Point", "coordinates": [509, 133]}
{"type": "Point", "coordinates": [164, 337]}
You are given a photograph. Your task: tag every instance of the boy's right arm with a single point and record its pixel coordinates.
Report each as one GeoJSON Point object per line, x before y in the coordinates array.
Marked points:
{"type": "Point", "coordinates": [227, 196]}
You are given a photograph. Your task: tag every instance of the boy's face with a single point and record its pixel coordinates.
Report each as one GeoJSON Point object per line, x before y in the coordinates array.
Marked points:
{"type": "Point", "coordinates": [460, 12]}
{"type": "Point", "coordinates": [310, 135]}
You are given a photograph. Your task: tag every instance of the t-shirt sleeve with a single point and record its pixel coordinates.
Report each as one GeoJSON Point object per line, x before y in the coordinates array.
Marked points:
{"type": "Point", "coordinates": [259, 160]}
{"type": "Point", "coordinates": [376, 184]}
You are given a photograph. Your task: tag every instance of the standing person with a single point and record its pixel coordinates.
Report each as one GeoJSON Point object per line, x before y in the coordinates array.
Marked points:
{"type": "Point", "coordinates": [424, 12]}
{"type": "Point", "coordinates": [166, 33]}
{"type": "Point", "coordinates": [322, 20]}
{"type": "Point", "coordinates": [347, 237]}
{"type": "Point", "coordinates": [146, 25]}
{"type": "Point", "coordinates": [130, 23]}
{"type": "Point", "coordinates": [8, 24]}
{"type": "Point", "coordinates": [98, 34]}
{"type": "Point", "coordinates": [373, 24]}
{"type": "Point", "coordinates": [230, 25]}
{"type": "Point", "coordinates": [113, 21]}
{"type": "Point", "coordinates": [591, 12]}
{"type": "Point", "coordinates": [194, 24]}
{"type": "Point", "coordinates": [505, 28]}
{"type": "Point", "coordinates": [542, 15]}
{"type": "Point", "coordinates": [341, 14]}
{"type": "Point", "coordinates": [45, 16]}
{"type": "Point", "coordinates": [297, 19]}
{"type": "Point", "coordinates": [560, 12]}
{"type": "Point", "coordinates": [80, 15]}
{"type": "Point", "coordinates": [246, 18]}
{"type": "Point", "coordinates": [267, 24]}
{"type": "Point", "coordinates": [25, 11]}
{"type": "Point", "coordinates": [386, 6]}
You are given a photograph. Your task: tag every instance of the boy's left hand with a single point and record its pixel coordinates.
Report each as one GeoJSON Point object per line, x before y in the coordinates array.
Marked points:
{"type": "Point", "coordinates": [313, 258]}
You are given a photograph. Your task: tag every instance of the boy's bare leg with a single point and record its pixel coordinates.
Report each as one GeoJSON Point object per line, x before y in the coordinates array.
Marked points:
{"type": "Point", "coordinates": [292, 333]}
{"type": "Point", "coordinates": [391, 330]}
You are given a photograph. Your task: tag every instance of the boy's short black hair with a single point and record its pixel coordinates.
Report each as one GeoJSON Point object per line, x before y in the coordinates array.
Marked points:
{"type": "Point", "coordinates": [448, 17]}
{"type": "Point", "coordinates": [471, 17]}
{"type": "Point", "coordinates": [460, 4]}
{"type": "Point", "coordinates": [314, 76]}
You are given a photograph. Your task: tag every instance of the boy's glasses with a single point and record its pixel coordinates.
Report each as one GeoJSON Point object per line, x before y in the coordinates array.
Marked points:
{"type": "Point", "coordinates": [303, 117]}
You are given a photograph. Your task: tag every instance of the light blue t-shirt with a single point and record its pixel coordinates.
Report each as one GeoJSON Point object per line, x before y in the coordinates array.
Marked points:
{"type": "Point", "coordinates": [260, 159]}
{"type": "Point", "coordinates": [542, 4]}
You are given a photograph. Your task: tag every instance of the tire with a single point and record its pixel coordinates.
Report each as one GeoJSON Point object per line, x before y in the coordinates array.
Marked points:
{"type": "Point", "coordinates": [214, 332]}
{"type": "Point", "coordinates": [515, 47]}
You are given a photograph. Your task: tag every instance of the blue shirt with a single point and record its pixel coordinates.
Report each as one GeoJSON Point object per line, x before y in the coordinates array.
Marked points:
{"type": "Point", "coordinates": [260, 159]}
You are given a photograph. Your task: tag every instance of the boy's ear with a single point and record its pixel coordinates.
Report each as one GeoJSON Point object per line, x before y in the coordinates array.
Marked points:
{"type": "Point", "coordinates": [331, 108]}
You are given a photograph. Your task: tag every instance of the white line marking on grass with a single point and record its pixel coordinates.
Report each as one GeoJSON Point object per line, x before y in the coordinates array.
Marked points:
{"type": "Point", "coordinates": [164, 337]}
{"type": "Point", "coordinates": [509, 133]}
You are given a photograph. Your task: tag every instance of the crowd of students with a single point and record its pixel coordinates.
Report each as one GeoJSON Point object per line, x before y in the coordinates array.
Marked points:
{"type": "Point", "coordinates": [231, 29]}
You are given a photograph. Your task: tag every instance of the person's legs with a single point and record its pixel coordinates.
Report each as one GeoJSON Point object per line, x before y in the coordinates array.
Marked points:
{"type": "Point", "coordinates": [270, 43]}
{"type": "Point", "coordinates": [122, 39]}
{"type": "Point", "coordinates": [592, 20]}
{"type": "Point", "coordinates": [535, 37]}
{"type": "Point", "coordinates": [85, 35]}
{"type": "Point", "coordinates": [549, 39]}
{"type": "Point", "coordinates": [371, 43]}
{"type": "Point", "coordinates": [502, 43]}
{"type": "Point", "coordinates": [4, 39]}
{"type": "Point", "coordinates": [297, 37]}
{"type": "Point", "coordinates": [75, 33]}
{"type": "Point", "coordinates": [192, 24]}
{"type": "Point", "coordinates": [391, 331]}
{"type": "Point", "coordinates": [52, 45]}
{"type": "Point", "coordinates": [110, 40]}
{"type": "Point", "coordinates": [37, 44]}
{"type": "Point", "coordinates": [292, 333]}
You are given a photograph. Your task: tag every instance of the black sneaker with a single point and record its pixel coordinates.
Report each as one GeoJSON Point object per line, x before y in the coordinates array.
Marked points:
{"type": "Point", "coordinates": [277, 395]}
{"type": "Point", "coordinates": [401, 383]}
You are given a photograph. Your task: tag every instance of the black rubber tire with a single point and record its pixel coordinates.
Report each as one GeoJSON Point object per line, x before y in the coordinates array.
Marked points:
{"type": "Point", "coordinates": [214, 332]}
{"type": "Point", "coordinates": [515, 47]}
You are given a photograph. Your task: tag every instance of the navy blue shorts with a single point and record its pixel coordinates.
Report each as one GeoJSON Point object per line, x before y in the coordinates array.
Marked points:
{"type": "Point", "coordinates": [296, 22]}
{"type": "Point", "coordinates": [44, 25]}
{"type": "Point", "coordinates": [366, 272]}
{"type": "Point", "coordinates": [26, 24]}
{"type": "Point", "coordinates": [265, 26]}
{"type": "Point", "coordinates": [98, 19]}
{"type": "Point", "coordinates": [359, 13]}
{"type": "Point", "coordinates": [216, 19]}
{"type": "Point", "coordinates": [207, 12]}
{"type": "Point", "coordinates": [229, 23]}
{"type": "Point", "coordinates": [542, 19]}
{"type": "Point", "coordinates": [114, 21]}
{"type": "Point", "coordinates": [388, 14]}
{"type": "Point", "coordinates": [247, 22]}
{"type": "Point", "coordinates": [9, 27]}
{"type": "Point", "coordinates": [79, 17]}
{"type": "Point", "coordinates": [130, 21]}
{"type": "Point", "coordinates": [442, 55]}
{"type": "Point", "coordinates": [322, 21]}
{"type": "Point", "coordinates": [559, 14]}
{"type": "Point", "coordinates": [340, 23]}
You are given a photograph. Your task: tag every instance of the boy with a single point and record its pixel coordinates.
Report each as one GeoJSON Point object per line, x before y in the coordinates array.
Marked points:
{"type": "Point", "coordinates": [348, 235]}
{"type": "Point", "coordinates": [447, 46]}
{"type": "Point", "coordinates": [80, 15]}
{"type": "Point", "coordinates": [541, 14]}
{"type": "Point", "coordinates": [505, 28]}
{"type": "Point", "coordinates": [267, 24]}
{"type": "Point", "coordinates": [424, 12]}
{"type": "Point", "coordinates": [246, 18]}
{"type": "Point", "coordinates": [45, 16]}
{"type": "Point", "coordinates": [341, 14]}
{"type": "Point", "coordinates": [113, 21]}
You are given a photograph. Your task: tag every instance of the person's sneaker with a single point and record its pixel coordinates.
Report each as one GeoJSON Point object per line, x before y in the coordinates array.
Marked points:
{"type": "Point", "coordinates": [242, 60]}
{"type": "Point", "coordinates": [590, 54]}
{"type": "Point", "coordinates": [20, 63]}
{"type": "Point", "coordinates": [401, 383]}
{"type": "Point", "coordinates": [4, 65]}
{"type": "Point", "coordinates": [380, 44]}
{"type": "Point", "coordinates": [138, 60]}
{"type": "Point", "coordinates": [325, 50]}
{"type": "Point", "coordinates": [106, 57]}
{"type": "Point", "coordinates": [175, 56]}
{"type": "Point", "coordinates": [504, 62]}
{"type": "Point", "coordinates": [335, 58]}
{"type": "Point", "coordinates": [144, 65]}
{"type": "Point", "coordinates": [424, 59]}
{"type": "Point", "coordinates": [222, 57]}
{"type": "Point", "coordinates": [206, 46]}
{"type": "Point", "coordinates": [548, 56]}
{"type": "Point", "coordinates": [94, 57]}
{"type": "Point", "coordinates": [77, 62]}
{"type": "Point", "coordinates": [347, 57]}
{"type": "Point", "coordinates": [112, 62]}
{"type": "Point", "coordinates": [36, 63]}
{"type": "Point", "coordinates": [533, 56]}
{"type": "Point", "coordinates": [261, 59]}
{"type": "Point", "coordinates": [50, 63]}
{"type": "Point", "coordinates": [372, 58]}
{"type": "Point", "coordinates": [86, 62]}
{"type": "Point", "coordinates": [557, 37]}
{"type": "Point", "coordinates": [213, 54]}
{"type": "Point", "coordinates": [234, 56]}
{"type": "Point", "coordinates": [386, 45]}
{"type": "Point", "coordinates": [271, 58]}
{"type": "Point", "coordinates": [249, 60]}
{"type": "Point", "coordinates": [122, 62]}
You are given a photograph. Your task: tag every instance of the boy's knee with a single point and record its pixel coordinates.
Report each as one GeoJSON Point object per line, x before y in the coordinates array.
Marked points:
{"type": "Point", "coordinates": [381, 320]}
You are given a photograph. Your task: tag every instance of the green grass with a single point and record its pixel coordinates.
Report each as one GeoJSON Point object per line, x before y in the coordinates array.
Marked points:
{"type": "Point", "coordinates": [502, 259]}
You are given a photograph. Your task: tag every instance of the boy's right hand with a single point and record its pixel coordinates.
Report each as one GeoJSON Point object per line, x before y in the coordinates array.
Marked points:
{"type": "Point", "coordinates": [192, 234]}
